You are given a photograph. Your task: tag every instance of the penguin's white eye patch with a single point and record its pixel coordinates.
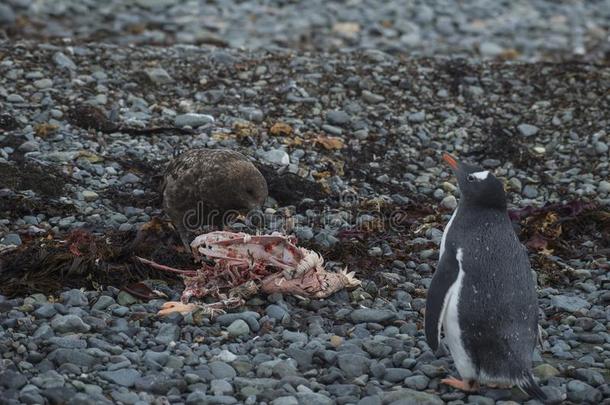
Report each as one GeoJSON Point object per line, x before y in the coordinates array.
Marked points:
{"type": "Point", "coordinates": [478, 176]}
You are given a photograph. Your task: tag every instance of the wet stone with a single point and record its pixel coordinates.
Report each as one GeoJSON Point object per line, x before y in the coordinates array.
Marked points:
{"type": "Point", "coordinates": [123, 377]}
{"type": "Point", "coordinates": [167, 333]}
{"type": "Point", "coordinates": [372, 315]}
{"type": "Point", "coordinates": [75, 298]}
{"type": "Point", "coordinates": [193, 120]}
{"type": "Point", "coordinates": [569, 303]}
{"type": "Point", "coordinates": [527, 130]}
{"type": "Point", "coordinates": [353, 365]}
{"type": "Point", "coordinates": [158, 75]}
{"type": "Point", "coordinates": [337, 117]}
{"type": "Point", "coordinates": [238, 328]}
{"type": "Point", "coordinates": [69, 324]}
{"type": "Point", "coordinates": [222, 370]}
{"type": "Point", "coordinates": [63, 61]}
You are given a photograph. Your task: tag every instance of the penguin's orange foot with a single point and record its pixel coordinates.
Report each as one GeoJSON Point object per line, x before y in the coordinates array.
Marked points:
{"type": "Point", "coordinates": [466, 385]}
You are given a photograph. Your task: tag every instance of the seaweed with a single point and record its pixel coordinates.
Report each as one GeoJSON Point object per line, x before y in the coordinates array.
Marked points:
{"type": "Point", "coordinates": [92, 118]}
{"type": "Point", "coordinates": [43, 180]}
{"type": "Point", "coordinates": [575, 229]}
{"type": "Point", "coordinates": [288, 188]}
{"type": "Point", "coordinates": [8, 122]}
{"type": "Point", "coordinates": [502, 143]}
{"type": "Point", "coordinates": [84, 259]}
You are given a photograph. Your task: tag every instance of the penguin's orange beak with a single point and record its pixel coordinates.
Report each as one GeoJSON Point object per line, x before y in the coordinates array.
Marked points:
{"type": "Point", "coordinates": [450, 160]}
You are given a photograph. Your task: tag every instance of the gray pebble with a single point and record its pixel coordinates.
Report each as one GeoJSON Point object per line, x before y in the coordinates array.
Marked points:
{"type": "Point", "coordinates": [304, 233]}
{"type": "Point", "coordinates": [601, 148]}
{"type": "Point", "coordinates": [158, 75]}
{"type": "Point", "coordinates": [120, 310]}
{"type": "Point", "coordinates": [77, 357]}
{"type": "Point", "coordinates": [417, 382]}
{"type": "Point", "coordinates": [125, 397]}
{"type": "Point", "coordinates": [103, 302]}
{"type": "Point", "coordinates": [15, 98]}
{"type": "Point", "coordinates": [603, 187]}
{"type": "Point", "coordinates": [63, 61]}
{"type": "Point", "coordinates": [222, 370]}
{"type": "Point", "coordinates": [312, 398]}
{"type": "Point", "coordinates": [432, 371]}
{"type": "Point", "coordinates": [332, 129]}
{"type": "Point", "coordinates": [124, 298]}
{"type": "Point", "coordinates": [275, 156]}
{"type": "Point", "coordinates": [11, 239]}
{"type": "Point", "coordinates": [125, 377]}
{"type": "Point", "coordinates": [238, 328]}
{"type": "Point", "coordinates": [490, 49]}
{"type": "Point", "coordinates": [411, 397]}
{"type": "Point", "coordinates": [252, 114]}
{"type": "Point", "coordinates": [193, 120]}
{"type": "Point", "coordinates": [44, 331]}
{"type": "Point", "coordinates": [90, 196]}
{"type": "Point", "coordinates": [582, 392]}
{"type": "Point", "coordinates": [276, 312]}
{"type": "Point", "coordinates": [530, 191]}
{"type": "Point", "coordinates": [291, 336]}
{"type": "Point", "coordinates": [589, 376]}
{"type": "Point", "coordinates": [196, 398]}
{"type": "Point", "coordinates": [372, 315]}
{"type": "Point", "coordinates": [45, 311]}
{"type": "Point", "coordinates": [417, 117]}
{"type": "Point", "coordinates": [544, 371]}
{"type": "Point", "coordinates": [303, 357]}
{"type": "Point", "coordinates": [12, 380]}
{"type": "Point", "coordinates": [29, 146]}
{"type": "Point", "coordinates": [69, 324]}
{"type": "Point", "coordinates": [251, 318]}
{"type": "Point", "coordinates": [74, 298]}
{"type": "Point", "coordinates": [287, 400]}
{"type": "Point", "coordinates": [353, 365]}
{"type": "Point", "coordinates": [395, 375]}
{"type": "Point", "coordinates": [221, 386]}
{"type": "Point", "coordinates": [68, 342]}
{"type": "Point", "coordinates": [167, 333]}
{"type": "Point", "coordinates": [569, 303]}
{"type": "Point", "coordinates": [129, 178]}
{"type": "Point", "coordinates": [527, 130]}
{"type": "Point", "coordinates": [43, 83]}
{"type": "Point", "coordinates": [337, 117]}
{"type": "Point", "coordinates": [155, 360]}
{"type": "Point", "coordinates": [372, 98]}
{"type": "Point", "coordinates": [449, 202]}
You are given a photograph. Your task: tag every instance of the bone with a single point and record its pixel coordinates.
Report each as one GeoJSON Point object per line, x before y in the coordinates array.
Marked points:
{"type": "Point", "coordinates": [245, 265]}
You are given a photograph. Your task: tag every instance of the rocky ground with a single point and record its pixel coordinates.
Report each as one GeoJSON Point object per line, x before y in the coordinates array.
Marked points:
{"type": "Point", "coordinates": [526, 30]}
{"type": "Point", "coordinates": [348, 126]}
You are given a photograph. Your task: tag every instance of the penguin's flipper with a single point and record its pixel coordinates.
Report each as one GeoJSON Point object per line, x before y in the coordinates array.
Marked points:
{"type": "Point", "coordinates": [531, 387]}
{"type": "Point", "coordinates": [438, 296]}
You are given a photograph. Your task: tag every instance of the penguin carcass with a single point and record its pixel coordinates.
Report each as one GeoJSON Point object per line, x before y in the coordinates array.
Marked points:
{"type": "Point", "coordinates": [243, 265]}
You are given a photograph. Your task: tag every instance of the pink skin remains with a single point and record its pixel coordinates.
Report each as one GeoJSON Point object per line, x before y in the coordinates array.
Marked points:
{"type": "Point", "coordinates": [244, 265]}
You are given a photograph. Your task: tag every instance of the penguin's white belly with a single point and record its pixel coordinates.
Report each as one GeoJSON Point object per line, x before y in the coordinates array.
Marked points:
{"type": "Point", "coordinates": [451, 326]}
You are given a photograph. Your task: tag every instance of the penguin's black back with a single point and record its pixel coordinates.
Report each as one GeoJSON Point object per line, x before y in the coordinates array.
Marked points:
{"type": "Point", "coordinates": [498, 304]}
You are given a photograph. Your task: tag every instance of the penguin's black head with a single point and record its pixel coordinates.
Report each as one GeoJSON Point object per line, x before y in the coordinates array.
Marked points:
{"type": "Point", "coordinates": [478, 187]}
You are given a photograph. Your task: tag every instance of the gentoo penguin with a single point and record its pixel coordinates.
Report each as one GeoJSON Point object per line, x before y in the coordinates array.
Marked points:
{"type": "Point", "coordinates": [208, 186]}
{"type": "Point", "coordinates": [482, 294]}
